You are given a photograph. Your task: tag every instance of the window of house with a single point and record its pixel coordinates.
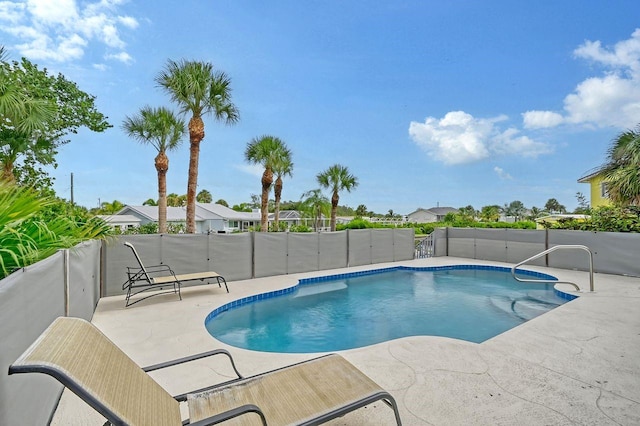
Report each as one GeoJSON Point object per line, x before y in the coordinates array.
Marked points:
{"type": "Point", "coordinates": [604, 190]}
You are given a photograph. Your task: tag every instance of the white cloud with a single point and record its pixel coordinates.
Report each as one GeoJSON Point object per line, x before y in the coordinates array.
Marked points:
{"type": "Point", "coordinates": [510, 142]}
{"type": "Point", "coordinates": [611, 99]}
{"type": "Point", "coordinates": [63, 12]}
{"type": "Point", "coordinates": [61, 30]}
{"type": "Point", "coordinates": [252, 169]}
{"type": "Point", "coordinates": [459, 138]}
{"type": "Point", "coordinates": [541, 119]}
{"type": "Point", "coordinates": [122, 57]}
{"type": "Point", "coordinates": [501, 173]}
{"type": "Point", "coordinates": [11, 12]}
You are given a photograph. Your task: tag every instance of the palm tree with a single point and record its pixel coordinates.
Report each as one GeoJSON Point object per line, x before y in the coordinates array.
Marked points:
{"type": "Point", "coordinates": [315, 203]}
{"type": "Point", "coordinates": [336, 178]}
{"type": "Point", "coordinates": [160, 128]}
{"type": "Point", "coordinates": [111, 208]}
{"type": "Point", "coordinates": [266, 151]}
{"type": "Point", "coordinates": [198, 90]}
{"type": "Point", "coordinates": [204, 196]}
{"type": "Point", "coordinates": [283, 166]}
{"type": "Point", "coordinates": [622, 170]}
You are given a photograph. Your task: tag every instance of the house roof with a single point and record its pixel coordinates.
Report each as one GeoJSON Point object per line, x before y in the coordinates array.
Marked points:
{"type": "Point", "coordinates": [119, 218]}
{"type": "Point", "coordinates": [287, 214]}
{"type": "Point", "coordinates": [593, 173]}
{"type": "Point", "coordinates": [204, 211]}
{"type": "Point", "coordinates": [174, 214]}
{"type": "Point", "coordinates": [438, 211]}
{"type": "Point", "coordinates": [219, 211]}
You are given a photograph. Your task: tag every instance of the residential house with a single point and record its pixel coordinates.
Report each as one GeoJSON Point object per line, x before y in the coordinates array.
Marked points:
{"type": "Point", "coordinates": [122, 221]}
{"type": "Point", "coordinates": [599, 195]}
{"type": "Point", "coordinates": [434, 214]}
{"type": "Point", "coordinates": [210, 218]}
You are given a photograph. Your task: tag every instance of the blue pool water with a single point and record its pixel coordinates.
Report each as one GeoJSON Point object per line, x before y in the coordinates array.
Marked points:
{"type": "Point", "coordinates": [472, 303]}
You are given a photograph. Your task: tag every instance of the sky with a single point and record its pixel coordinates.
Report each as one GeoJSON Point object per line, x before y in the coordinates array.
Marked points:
{"type": "Point", "coordinates": [448, 103]}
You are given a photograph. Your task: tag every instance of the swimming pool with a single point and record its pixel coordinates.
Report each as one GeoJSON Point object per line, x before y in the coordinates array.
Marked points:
{"type": "Point", "coordinates": [469, 302]}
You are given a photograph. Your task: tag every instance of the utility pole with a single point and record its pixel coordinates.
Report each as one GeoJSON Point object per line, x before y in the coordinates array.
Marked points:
{"type": "Point", "coordinates": [72, 189]}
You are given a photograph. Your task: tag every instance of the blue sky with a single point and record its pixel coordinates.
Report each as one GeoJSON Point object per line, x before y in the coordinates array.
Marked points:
{"type": "Point", "coordinates": [427, 103]}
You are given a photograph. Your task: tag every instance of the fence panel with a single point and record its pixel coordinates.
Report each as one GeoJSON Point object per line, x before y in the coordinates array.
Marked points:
{"type": "Point", "coordinates": [381, 245]}
{"type": "Point", "coordinates": [461, 242]}
{"type": "Point", "coordinates": [270, 256]}
{"type": "Point", "coordinates": [359, 247]}
{"type": "Point", "coordinates": [490, 244]}
{"type": "Point", "coordinates": [303, 251]}
{"type": "Point", "coordinates": [333, 249]}
{"type": "Point", "coordinates": [403, 244]}
{"type": "Point", "coordinates": [84, 279]}
{"type": "Point", "coordinates": [232, 255]}
{"type": "Point", "coordinates": [524, 243]}
{"type": "Point", "coordinates": [30, 299]}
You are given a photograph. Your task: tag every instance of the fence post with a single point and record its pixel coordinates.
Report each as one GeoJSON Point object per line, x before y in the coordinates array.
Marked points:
{"type": "Point", "coordinates": [65, 277]}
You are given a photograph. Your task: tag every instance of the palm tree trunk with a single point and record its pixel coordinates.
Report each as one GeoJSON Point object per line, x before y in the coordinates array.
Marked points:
{"type": "Point", "coordinates": [162, 166]}
{"type": "Point", "coordinates": [334, 210]}
{"type": "Point", "coordinates": [267, 180]}
{"type": "Point", "coordinates": [196, 134]}
{"type": "Point", "coordinates": [277, 192]}
{"type": "Point", "coordinates": [7, 169]}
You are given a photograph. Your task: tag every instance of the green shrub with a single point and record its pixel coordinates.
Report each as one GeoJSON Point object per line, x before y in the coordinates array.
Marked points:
{"type": "Point", "coordinates": [30, 232]}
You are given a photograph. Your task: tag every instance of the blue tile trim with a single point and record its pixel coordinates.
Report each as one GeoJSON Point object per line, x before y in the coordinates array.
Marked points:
{"type": "Point", "coordinates": [315, 280]}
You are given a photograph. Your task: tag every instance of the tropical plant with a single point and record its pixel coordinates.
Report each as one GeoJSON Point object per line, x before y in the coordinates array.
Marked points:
{"type": "Point", "coordinates": [282, 166]}
{"type": "Point", "coordinates": [204, 196]}
{"type": "Point", "coordinates": [198, 90]}
{"type": "Point", "coordinates": [26, 237]}
{"type": "Point", "coordinates": [583, 204]}
{"type": "Point", "coordinates": [361, 210]}
{"type": "Point", "coordinates": [535, 212]}
{"type": "Point", "coordinates": [160, 128]}
{"type": "Point", "coordinates": [36, 112]}
{"type": "Point", "coordinates": [315, 204]}
{"type": "Point", "coordinates": [266, 151]}
{"type": "Point", "coordinates": [150, 202]}
{"type": "Point", "coordinates": [621, 172]}
{"type": "Point", "coordinates": [336, 178]}
{"type": "Point", "coordinates": [222, 202]}
{"type": "Point", "coordinates": [515, 209]}
{"type": "Point", "coordinates": [553, 206]}
{"type": "Point", "coordinates": [175, 200]}
{"type": "Point", "coordinates": [108, 208]}
{"type": "Point", "coordinates": [490, 213]}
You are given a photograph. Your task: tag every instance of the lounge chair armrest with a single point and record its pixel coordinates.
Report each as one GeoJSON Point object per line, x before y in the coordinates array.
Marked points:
{"type": "Point", "coordinates": [159, 269]}
{"type": "Point", "coordinates": [231, 414]}
{"type": "Point", "coordinates": [193, 358]}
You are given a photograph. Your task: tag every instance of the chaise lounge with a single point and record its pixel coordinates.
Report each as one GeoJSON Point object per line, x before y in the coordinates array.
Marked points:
{"type": "Point", "coordinates": [78, 355]}
{"type": "Point", "coordinates": [150, 278]}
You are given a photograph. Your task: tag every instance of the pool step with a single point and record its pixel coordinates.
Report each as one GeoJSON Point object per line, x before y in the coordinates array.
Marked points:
{"type": "Point", "coordinates": [311, 289]}
{"type": "Point", "coordinates": [524, 308]}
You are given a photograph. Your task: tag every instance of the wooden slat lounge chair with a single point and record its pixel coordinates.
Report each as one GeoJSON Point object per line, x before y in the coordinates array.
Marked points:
{"type": "Point", "coordinates": [157, 277]}
{"type": "Point", "coordinates": [84, 360]}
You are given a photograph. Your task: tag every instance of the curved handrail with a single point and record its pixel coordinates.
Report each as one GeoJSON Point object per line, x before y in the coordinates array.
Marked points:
{"type": "Point", "coordinates": [552, 249]}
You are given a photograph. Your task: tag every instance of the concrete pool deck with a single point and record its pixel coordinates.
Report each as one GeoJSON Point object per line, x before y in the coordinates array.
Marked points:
{"type": "Point", "coordinates": [578, 364]}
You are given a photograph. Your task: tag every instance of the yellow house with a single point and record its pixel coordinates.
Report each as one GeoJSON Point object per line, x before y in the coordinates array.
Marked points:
{"type": "Point", "coordinates": [599, 193]}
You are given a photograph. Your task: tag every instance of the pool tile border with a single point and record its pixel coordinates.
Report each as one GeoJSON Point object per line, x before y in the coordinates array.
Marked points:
{"type": "Point", "coordinates": [314, 280]}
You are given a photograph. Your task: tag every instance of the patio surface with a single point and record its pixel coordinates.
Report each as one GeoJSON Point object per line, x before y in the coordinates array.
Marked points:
{"type": "Point", "coordinates": [578, 364]}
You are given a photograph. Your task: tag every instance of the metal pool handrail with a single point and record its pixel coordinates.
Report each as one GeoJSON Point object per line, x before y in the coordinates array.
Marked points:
{"type": "Point", "coordinates": [554, 248]}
